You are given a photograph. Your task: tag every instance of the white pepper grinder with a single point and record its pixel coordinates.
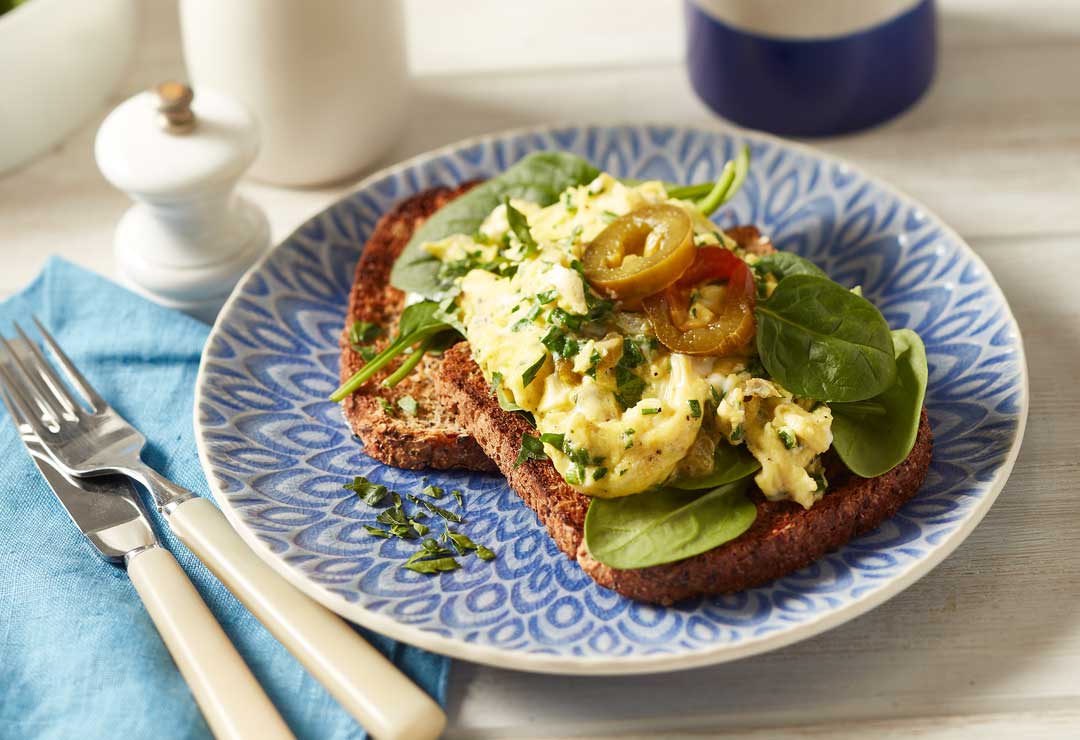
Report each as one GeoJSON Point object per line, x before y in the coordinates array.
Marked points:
{"type": "Point", "coordinates": [189, 237]}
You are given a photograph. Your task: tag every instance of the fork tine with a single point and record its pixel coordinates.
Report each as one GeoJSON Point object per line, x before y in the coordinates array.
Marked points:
{"type": "Point", "coordinates": [47, 375]}
{"type": "Point", "coordinates": [25, 387]}
{"type": "Point", "coordinates": [97, 403]}
{"type": "Point", "coordinates": [21, 407]}
{"type": "Point", "coordinates": [13, 410]}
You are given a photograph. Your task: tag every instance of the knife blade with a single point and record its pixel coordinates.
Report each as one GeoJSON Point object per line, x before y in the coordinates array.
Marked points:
{"type": "Point", "coordinates": [107, 510]}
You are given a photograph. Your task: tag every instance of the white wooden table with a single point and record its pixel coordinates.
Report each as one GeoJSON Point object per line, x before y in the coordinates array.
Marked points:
{"type": "Point", "coordinates": [988, 644]}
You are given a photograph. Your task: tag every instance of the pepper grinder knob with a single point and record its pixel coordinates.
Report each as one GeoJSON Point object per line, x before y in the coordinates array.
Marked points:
{"type": "Point", "coordinates": [189, 237]}
{"type": "Point", "coordinates": [174, 107]}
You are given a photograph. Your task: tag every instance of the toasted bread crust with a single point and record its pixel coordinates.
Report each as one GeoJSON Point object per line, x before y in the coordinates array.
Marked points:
{"type": "Point", "coordinates": [433, 438]}
{"type": "Point", "coordinates": [783, 538]}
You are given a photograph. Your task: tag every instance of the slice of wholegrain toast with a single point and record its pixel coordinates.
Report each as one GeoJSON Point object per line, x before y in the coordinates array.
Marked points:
{"type": "Point", "coordinates": [434, 437]}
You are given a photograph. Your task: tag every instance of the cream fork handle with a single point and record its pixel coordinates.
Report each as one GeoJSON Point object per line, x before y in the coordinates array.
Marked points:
{"type": "Point", "coordinates": [230, 698]}
{"type": "Point", "coordinates": [370, 687]}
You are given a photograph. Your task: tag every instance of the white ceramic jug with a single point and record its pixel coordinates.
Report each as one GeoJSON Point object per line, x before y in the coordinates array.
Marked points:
{"type": "Point", "coordinates": [325, 79]}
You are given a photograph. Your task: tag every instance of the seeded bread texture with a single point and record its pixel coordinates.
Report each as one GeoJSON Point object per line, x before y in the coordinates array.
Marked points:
{"type": "Point", "coordinates": [434, 437]}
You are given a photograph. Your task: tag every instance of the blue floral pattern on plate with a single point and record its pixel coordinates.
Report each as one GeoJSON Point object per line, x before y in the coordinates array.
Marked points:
{"type": "Point", "coordinates": [277, 452]}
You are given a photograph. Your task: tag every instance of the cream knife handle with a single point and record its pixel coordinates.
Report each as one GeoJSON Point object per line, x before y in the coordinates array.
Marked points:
{"type": "Point", "coordinates": [230, 698]}
{"type": "Point", "coordinates": [370, 687]}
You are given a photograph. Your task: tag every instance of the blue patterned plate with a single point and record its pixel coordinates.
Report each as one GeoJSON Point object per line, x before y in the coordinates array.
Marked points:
{"type": "Point", "coordinates": [276, 451]}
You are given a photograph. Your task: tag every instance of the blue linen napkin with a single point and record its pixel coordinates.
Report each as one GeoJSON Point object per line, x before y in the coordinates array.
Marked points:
{"type": "Point", "coordinates": [79, 656]}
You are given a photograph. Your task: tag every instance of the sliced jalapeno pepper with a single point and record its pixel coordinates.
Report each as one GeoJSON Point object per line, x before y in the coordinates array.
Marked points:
{"type": "Point", "coordinates": [641, 253]}
{"type": "Point", "coordinates": [726, 332]}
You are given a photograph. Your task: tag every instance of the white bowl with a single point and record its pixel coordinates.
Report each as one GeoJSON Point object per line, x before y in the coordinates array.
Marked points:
{"type": "Point", "coordinates": [59, 61]}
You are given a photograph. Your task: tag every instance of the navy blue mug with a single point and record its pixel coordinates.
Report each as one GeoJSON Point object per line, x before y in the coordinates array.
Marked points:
{"type": "Point", "coordinates": [810, 67]}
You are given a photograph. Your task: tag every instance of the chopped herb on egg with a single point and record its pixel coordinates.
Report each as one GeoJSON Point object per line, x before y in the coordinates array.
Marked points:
{"type": "Point", "coordinates": [530, 372]}
{"type": "Point", "coordinates": [788, 438]}
{"type": "Point", "coordinates": [631, 354]}
{"type": "Point", "coordinates": [629, 387]}
{"type": "Point", "coordinates": [520, 226]}
{"type": "Point", "coordinates": [547, 296]}
{"type": "Point", "coordinates": [531, 449]}
{"type": "Point", "coordinates": [594, 363]}
{"type": "Point", "coordinates": [650, 411]}
{"type": "Point", "coordinates": [527, 318]}
{"type": "Point", "coordinates": [559, 343]}
{"type": "Point", "coordinates": [559, 317]}
{"type": "Point", "coordinates": [555, 440]}
{"type": "Point", "coordinates": [568, 203]}
{"type": "Point", "coordinates": [695, 408]}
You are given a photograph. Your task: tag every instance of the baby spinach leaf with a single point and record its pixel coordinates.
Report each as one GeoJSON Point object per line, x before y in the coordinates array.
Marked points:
{"type": "Point", "coordinates": [539, 178]}
{"type": "Point", "coordinates": [665, 525]}
{"type": "Point", "coordinates": [872, 443]}
{"type": "Point", "coordinates": [783, 264]}
{"type": "Point", "coordinates": [821, 341]}
{"type": "Point", "coordinates": [730, 463]}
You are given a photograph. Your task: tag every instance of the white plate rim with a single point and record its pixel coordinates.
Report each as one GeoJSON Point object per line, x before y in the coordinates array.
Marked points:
{"type": "Point", "coordinates": [658, 663]}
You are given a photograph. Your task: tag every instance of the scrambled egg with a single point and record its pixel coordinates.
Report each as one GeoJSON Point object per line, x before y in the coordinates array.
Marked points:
{"type": "Point", "coordinates": [618, 412]}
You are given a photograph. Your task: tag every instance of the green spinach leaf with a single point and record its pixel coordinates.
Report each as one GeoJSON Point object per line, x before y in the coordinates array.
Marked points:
{"type": "Point", "coordinates": [783, 264]}
{"type": "Point", "coordinates": [730, 463]}
{"type": "Point", "coordinates": [872, 443]}
{"type": "Point", "coordinates": [539, 178]}
{"type": "Point", "coordinates": [821, 341]}
{"type": "Point", "coordinates": [665, 525]}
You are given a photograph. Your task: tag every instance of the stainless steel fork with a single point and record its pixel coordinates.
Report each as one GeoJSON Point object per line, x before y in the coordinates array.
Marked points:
{"type": "Point", "coordinates": [99, 441]}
